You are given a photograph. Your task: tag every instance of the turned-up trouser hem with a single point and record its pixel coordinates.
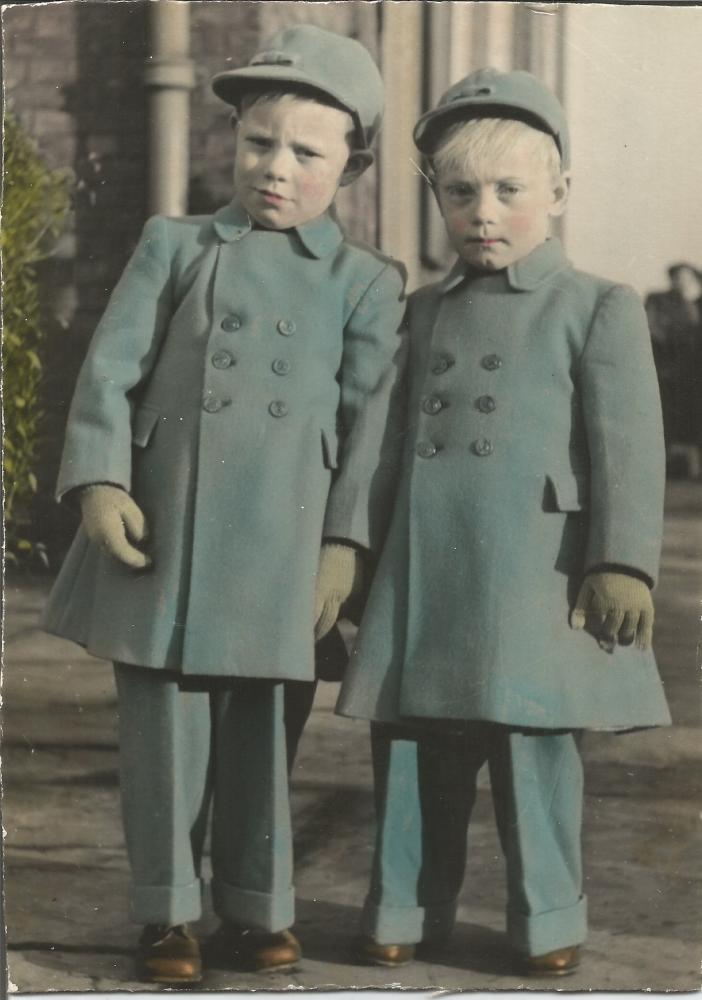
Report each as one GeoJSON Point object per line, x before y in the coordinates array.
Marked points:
{"type": "Point", "coordinates": [182, 748]}
{"type": "Point", "coordinates": [425, 784]}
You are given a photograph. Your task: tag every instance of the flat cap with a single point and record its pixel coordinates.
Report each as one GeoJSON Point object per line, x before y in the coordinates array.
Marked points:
{"type": "Point", "coordinates": [492, 93]}
{"type": "Point", "coordinates": [309, 57]}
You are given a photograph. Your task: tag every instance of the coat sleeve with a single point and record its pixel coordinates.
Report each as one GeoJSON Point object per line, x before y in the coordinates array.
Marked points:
{"type": "Point", "coordinates": [121, 355]}
{"type": "Point", "coordinates": [371, 414]}
{"type": "Point", "coordinates": [622, 413]}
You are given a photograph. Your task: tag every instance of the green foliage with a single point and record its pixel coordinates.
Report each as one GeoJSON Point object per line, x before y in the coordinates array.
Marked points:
{"type": "Point", "coordinates": [35, 201]}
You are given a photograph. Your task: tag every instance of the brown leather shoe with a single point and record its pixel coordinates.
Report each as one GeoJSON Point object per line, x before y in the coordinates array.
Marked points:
{"type": "Point", "coordinates": [390, 956]}
{"type": "Point", "coordinates": [561, 962]}
{"type": "Point", "coordinates": [248, 950]}
{"type": "Point", "coordinates": [168, 955]}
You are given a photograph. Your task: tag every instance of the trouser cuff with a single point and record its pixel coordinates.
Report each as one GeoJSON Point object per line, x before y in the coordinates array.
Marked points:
{"type": "Point", "coordinates": [540, 933]}
{"type": "Point", "coordinates": [260, 910]}
{"type": "Point", "coordinates": [407, 924]}
{"type": "Point", "coordinates": [166, 904]}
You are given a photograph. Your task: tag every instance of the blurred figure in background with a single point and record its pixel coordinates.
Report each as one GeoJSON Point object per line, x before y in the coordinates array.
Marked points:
{"type": "Point", "coordinates": [675, 319]}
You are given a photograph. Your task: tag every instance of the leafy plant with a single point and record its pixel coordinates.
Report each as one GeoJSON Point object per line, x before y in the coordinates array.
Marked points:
{"type": "Point", "coordinates": [35, 201]}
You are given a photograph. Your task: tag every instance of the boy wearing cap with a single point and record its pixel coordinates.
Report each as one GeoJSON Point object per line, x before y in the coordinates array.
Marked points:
{"type": "Point", "coordinates": [233, 401]}
{"type": "Point", "coordinates": [511, 607]}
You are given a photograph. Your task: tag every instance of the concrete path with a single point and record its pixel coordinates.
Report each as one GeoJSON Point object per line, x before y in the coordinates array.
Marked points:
{"type": "Point", "coordinates": [66, 873]}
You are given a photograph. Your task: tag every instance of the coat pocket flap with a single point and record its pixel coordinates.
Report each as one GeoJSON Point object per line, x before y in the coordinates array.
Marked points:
{"type": "Point", "coordinates": [330, 448]}
{"type": "Point", "coordinates": [145, 419]}
{"type": "Point", "coordinates": [566, 492]}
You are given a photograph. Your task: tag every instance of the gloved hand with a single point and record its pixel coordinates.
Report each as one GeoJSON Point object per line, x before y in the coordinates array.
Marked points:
{"type": "Point", "coordinates": [619, 606]}
{"type": "Point", "coordinates": [112, 520]}
{"type": "Point", "coordinates": [339, 577]}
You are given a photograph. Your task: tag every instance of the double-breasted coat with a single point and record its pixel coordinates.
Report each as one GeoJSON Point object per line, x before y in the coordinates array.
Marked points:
{"type": "Point", "coordinates": [534, 454]}
{"type": "Point", "coordinates": [238, 387]}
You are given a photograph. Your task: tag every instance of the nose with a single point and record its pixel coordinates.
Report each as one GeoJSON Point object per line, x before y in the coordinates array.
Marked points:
{"type": "Point", "coordinates": [484, 205]}
{"type": "Point", "coordinates": [275, 167]}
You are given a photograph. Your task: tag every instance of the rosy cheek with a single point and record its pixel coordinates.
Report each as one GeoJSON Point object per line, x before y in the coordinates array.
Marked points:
{"type": "Point", "coordinates": [311, 186]}
{"type": "Point", "coordinates": [458, 223]}
{"type": "Point", "coordinates": [521, 222]}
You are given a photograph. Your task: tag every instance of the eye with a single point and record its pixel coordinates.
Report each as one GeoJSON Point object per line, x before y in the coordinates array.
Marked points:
{"type": "Point", "coordinates": [305, 153]}
{"type": "Point", "coordinates": [259, 141]}
{"type": "Point", "coordinates": [459, 191]}
{"type": "Point", "coordinates": [509, 189]}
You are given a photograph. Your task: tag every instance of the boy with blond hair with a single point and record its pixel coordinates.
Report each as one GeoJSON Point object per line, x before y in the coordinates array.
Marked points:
{"type": "Point", "coordinates": [511, 608]}
{"type": "Point", "coordinates": [233, 402]}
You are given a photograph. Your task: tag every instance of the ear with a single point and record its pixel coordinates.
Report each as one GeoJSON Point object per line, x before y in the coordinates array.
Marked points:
{"type": "Point", "coordinates": [357, 163]}
{"type": "Point", "coordinates": [560, 195]}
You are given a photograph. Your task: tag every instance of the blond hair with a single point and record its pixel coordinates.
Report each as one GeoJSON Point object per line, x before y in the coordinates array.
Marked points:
{"type": "Point", "coordinates": [478, 142]}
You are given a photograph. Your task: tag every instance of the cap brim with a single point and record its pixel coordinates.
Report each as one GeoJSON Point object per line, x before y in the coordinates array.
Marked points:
{"type": "Point", "coordinates": [232, 84]}
{"type": "Point", "coordinates": [433, 122]}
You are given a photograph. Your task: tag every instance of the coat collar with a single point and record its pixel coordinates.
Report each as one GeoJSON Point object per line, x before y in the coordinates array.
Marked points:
{"type": "Point", "coordinates": [320, 237]}
{"type": "Point", "coordinates": [524, 275]}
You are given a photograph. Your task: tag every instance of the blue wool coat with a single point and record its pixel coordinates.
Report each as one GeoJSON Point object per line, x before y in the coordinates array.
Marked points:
{"type": "Point", "coordinates": [534, 453]}
{"type": "Point", "coordinates": [238, 387]}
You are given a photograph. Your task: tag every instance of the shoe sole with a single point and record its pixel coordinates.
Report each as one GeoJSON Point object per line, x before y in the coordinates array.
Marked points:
{"type": "Point", "coordinates": [361, 958]}
{"type": "Point", "coordinates": [286, 967]}
{"type": "Point", "coordinates": [549, 973]}
{"type": "Point", "coordinates": [147, 977]}
{"type": "Point", "coordinates": [380, 964]}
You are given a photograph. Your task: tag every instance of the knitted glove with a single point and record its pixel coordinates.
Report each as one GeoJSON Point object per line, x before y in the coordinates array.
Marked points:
{"type": "Point", "coordinates": [339, 576]}
{"type": "Point", "coordinates": [619, 605]}
{"type": "Point", "coordinates": [112, 520]}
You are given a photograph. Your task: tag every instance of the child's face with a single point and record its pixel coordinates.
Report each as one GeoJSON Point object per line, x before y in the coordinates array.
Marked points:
{"type": "Point", "coordinates": [496, 215]}
{"type": "Point", "coordinates": [291, 157]}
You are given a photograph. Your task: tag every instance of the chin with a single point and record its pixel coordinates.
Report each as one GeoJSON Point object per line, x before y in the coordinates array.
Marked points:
{"type": "Point", "coordinates": [273, 223]}
{"type": "Point", "coordinates": [482, 263]}
{"type": "Point", "coordinates": [269, 220]}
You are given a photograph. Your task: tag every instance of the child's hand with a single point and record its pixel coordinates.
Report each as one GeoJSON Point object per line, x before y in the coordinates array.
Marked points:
{"type": "Point", "coordinates": [339, 576]}
{"type": "Point", "coordinates": [112, 520]}
{"type": "Point", "coordinates": [619, 606]}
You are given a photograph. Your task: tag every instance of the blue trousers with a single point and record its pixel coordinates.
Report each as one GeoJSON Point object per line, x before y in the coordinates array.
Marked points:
{"type": "Point", "coordinates": [185, 748]}
{"type": "Point", "coordinates": [425, 782]}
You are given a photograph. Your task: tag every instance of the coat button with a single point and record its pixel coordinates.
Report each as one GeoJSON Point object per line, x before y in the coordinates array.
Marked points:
{"type": "Point", "coordinates": [425, 449]}
{"type": "Point", "coordinates": [432, 405]}
{"type": "Point", "coordinates": [491, 362]}
{"type": "Point", "coordinates": [222, 359]}
{"type": "Point", "coordinates": [281, 366]}
{"type": "Point", "coordinates": [482, 447]}
{"type": "Point", "coordinates": [230, 324]}
{"type": "Point", "coordinates": [486, 404]}
{"type": "Point", "coordinates": [286, 327]}
{"type": "Point", "coordinates": [278, 408]}
{"type": "Point", "coordinates": [442, 364]}
{"type": "Point", "coordinates": [212, 404]}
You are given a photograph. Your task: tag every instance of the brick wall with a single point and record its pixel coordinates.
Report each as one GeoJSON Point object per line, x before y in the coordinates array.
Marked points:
{"type": "Point", "coordinates": [74, 76]}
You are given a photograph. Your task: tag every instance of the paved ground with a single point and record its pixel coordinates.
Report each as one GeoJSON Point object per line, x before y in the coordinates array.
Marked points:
{"type": "Point", "coordinates": [66, 874]}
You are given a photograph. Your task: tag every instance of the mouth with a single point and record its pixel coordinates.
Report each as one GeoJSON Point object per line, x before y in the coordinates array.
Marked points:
{"type": "Point", "coordinates": [485, 243]}
{"type": "Point", "coordinates": [272, 197]}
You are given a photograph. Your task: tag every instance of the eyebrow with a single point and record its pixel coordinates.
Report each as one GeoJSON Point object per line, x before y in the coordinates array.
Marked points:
{"type": "Point", "coordinates": [510, 179]}
{"type": "Point", "coordinates": [264, 132]}
{"type": "Point", "coordinates": [305, 144]}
